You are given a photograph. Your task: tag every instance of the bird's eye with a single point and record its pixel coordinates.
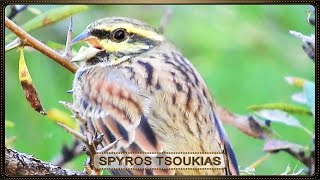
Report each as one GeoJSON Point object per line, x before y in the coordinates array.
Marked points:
{"type": "Point", "coordinates": [119, 35]}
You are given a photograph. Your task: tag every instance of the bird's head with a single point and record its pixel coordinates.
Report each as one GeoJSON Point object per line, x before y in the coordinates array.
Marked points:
{"type": "Point", "coordinates": [120, 37]}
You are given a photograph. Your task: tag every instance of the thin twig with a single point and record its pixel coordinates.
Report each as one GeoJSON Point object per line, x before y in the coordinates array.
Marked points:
{"type": "Point", "coordinates": [260, 161]}
{"type": "Point", "coordinates": [73, 132]}
{"type": "Point", "coordinates": [108, 147]}
{"type": "Point", "coordinates": [14, 44]}
{"type": "Point", "coordinates": [165, 18]}
{"type": "Point", "coordinates": [68, 53]}
{"type": "Point", "coordinates": [36, 44]}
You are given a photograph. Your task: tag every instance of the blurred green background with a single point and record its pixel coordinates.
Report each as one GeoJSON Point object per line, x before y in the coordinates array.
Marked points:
{"type": "Point", "coordinates": [242, 51]}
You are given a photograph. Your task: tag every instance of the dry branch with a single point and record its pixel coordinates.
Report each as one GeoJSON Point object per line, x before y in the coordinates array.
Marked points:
{"type": "Point", "coordinates": [246, 124]}
{"type": "Point", "coordinates": [21, 164]}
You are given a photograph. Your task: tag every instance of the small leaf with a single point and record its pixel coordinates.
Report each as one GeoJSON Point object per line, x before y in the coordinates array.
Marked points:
{"type": "Point", "coordinates": [27, 85]}
{"type": "Point", "coordinates": [49, 17]}
{"type": "Point", "coordinates": [282, 117]}
{"type": "Point", "coordinates": [61, 117]}
{"type": "Point", "coordinates": [279, 116]}
{"type": "Point", "coordinates": [309, 42]}
{"type": "Point", "coordinates": [248, 171]}
{"type": "Point", "coordinates": [287, 171]}
{"type": "Point", "coordinates": [299, 98]}
{"type": "Point", "coordinates": [9, 124]}
{"type": "Point", "coordinates": [295, 81]}
{"type": "Point", "coordinates": [292, 109]}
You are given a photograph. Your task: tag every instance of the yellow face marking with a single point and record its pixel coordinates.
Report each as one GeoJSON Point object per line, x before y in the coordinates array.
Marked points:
{"type": "Point", "coordinates": [133, 29]}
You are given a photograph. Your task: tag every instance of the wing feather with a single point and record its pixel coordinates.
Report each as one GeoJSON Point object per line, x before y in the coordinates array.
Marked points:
{"type": "Point", "coordinates": [116, 107]}
{"type": "Point", "coordinates": [224, 140]}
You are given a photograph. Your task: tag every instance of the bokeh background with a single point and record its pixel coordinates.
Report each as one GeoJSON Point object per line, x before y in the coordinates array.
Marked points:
{"type": "Point", "coordinates": [242, 51]}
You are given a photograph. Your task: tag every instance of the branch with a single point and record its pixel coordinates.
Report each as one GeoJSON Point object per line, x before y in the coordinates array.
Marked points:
{"type": "Point", "coordinates": [36, 44]}
{"type": "Point", "coordinates": [165, 18]}
{"type": "Point", "coordinates": [295, 150]}
{"type": "Point", "coordinates": [21, 164]}
{"type": "Point", "coordinates": [309, 43]}
{"type": "Point", "coordinates": [246, 124]}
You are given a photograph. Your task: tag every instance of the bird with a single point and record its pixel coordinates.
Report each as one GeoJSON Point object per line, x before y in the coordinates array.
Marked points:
{"type": "Point", "coordinates": [137, 86]}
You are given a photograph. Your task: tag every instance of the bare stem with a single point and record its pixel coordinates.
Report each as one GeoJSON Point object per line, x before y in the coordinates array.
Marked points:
{"type": "Point", "coordinates": [260, 161]}
{"type": "Point", "coordinates": [36, 44]}
{"type": "Point", "coordinates": [165, 18]}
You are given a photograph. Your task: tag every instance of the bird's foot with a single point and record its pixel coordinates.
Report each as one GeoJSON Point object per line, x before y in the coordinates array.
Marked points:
{"type": "Point", "coordinates": [92, 145]}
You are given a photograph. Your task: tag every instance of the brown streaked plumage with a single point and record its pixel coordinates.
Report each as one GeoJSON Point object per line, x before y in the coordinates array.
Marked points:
{"type": "Point", "coordinates": [141, 88]}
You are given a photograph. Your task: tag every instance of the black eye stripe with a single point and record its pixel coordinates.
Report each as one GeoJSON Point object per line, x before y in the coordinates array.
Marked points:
{"type": "Point", "coordinates": [100, 33]}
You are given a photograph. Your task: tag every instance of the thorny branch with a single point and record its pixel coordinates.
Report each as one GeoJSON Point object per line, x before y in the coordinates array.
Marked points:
{"type": "Point", "coordinates": [27, 39]}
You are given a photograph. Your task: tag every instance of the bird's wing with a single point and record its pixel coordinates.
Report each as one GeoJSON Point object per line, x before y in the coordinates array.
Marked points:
{"type": "Point", "coordinates": [116, 107]}
{"type": "Point", "coordinates": [223, 138]}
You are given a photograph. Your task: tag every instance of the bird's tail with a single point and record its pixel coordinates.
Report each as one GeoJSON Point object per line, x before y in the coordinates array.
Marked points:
{"type": "Point", "coordinates": [232, 161]}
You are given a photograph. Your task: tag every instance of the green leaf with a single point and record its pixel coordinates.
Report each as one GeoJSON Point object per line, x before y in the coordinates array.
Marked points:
{"type": "Point", "coordinates": [49, 17]}
{"type": "Point", "coordinates": [282, 117]}
{"type": "Point", "coordinates": [289, 108]}
{"type": "Point", "coordinates": [289, 171]}
{"type": "Point", "coordinates": [61, 117]}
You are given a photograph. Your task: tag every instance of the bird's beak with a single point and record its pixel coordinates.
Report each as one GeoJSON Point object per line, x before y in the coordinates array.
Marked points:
{"type": "Point", "coordinates": [86, 53]}
{"type": "Point", "coordinates": [83, 36]}
{"type": "Point", "coordinates": [86, 36]}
